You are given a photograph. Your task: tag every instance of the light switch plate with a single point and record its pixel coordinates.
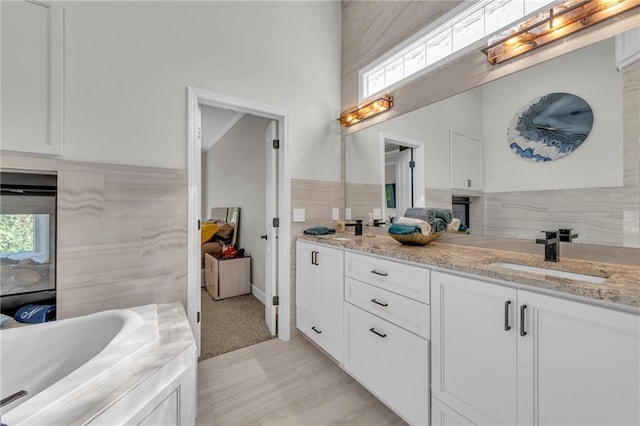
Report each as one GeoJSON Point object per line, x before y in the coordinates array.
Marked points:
{"type": "Point", "coordinates": [377, 214]}
{"type": "Point", "coordinates": [347, 213]}
{"type": "Point", "coordinates": [335, 214]}
{"type": "Point", "coordinates": [299, 215]}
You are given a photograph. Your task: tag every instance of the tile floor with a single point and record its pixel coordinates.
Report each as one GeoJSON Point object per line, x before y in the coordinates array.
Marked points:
{"type": "Point", "coordinates": [283, 383]}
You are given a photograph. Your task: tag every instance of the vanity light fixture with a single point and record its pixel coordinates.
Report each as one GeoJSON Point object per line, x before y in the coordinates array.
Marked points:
{"type": "Point", "coordinates": [563, 18]}
{"type": "Point", "coordinates": [366, 109]}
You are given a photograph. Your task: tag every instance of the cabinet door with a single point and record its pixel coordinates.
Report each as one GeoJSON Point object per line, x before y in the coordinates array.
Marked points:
{"type": "Point", "coordinates": [330, 266]}
{"type": "Point", "coordinates": [474, 163]}
{"type": "Point", "coordinates": [578, 364]}
{"type": "Point", "coordinates": [320, 296]}
{"type": "Point", "coordinates": [442, 415]}
{"type": "Point", "coordinates": [307, 280]}
{"type": "Point", "coordinates": [458, 152]}
{"type": "Point", "coordinates": [473, 338]}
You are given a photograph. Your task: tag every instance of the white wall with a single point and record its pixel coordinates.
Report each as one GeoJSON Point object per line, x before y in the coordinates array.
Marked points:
{"type": "Point", "coordinates": [235, 173]}
{"type": "Point", "coordinates": [430, 124]}
{"type": "Point", "coordinates": [127, 66]}
{"type": "Point", "coordinates": [589, 73]}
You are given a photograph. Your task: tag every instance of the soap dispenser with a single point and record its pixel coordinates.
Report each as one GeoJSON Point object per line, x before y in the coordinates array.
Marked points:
{"type": "Point", "coordinates": [370, 225]}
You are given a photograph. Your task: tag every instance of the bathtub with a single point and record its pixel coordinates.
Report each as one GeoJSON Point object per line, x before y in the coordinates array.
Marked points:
{"type": "Point", "coordinates": [59, 359]}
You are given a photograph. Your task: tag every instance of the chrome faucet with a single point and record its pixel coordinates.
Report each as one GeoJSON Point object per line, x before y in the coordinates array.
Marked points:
{"type": "Point", "coordinates": [551, 243]}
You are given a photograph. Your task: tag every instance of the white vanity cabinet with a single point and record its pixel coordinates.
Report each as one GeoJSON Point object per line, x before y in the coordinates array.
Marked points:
{"type": "Point", "coordinates": [320, 295]}
{"type": "Point", "coordinates": [507, 356]}
{"type": "Point", "coordinates": [386, 332]}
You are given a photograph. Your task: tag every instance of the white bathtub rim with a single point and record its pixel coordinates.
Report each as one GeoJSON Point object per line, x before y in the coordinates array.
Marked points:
{"type": "Point", "coordinates": [141, 323]}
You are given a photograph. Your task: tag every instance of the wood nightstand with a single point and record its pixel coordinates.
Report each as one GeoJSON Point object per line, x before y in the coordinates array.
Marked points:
{"type": "Point", "coordinates": [227, 277]}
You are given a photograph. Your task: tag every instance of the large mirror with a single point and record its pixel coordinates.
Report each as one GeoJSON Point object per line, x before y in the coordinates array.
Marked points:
{"type": "Point", "coordinates": [462, 158]}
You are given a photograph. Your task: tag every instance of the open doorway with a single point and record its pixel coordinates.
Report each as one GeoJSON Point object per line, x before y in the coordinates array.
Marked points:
{"type": "Point", "coordinates": [235, 173]}
{"type": "Point", "coordinates": [276, 227]}
{"type": "Point", "coordinates": [403, 176]}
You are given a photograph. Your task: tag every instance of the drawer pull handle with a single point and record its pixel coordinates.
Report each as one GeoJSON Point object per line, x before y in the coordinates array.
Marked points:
{"type": "Point", "coordinates": [384, 274]}
{"type": "Point", "coordinates": [316, 330]}
{"type": "Point", "coordinates": [522, 332]}
{"type": "Point", "coordinates": [377, 302]}
{"type": "Point", "coordinates": [376, 332]}
{"type": "Point", "coordinates": [507, 327]}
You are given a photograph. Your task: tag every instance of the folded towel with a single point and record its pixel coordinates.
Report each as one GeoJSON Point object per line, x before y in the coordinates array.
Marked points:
{"type": "Point", "coordinates": [36, 313]}
{"type": "Point", "coordinates": [421, 213]}
{"type": "Point", "coordinates": [444, 214]}
{"type": "Point", "coordinates": [4, 318]}
{"type": "Point", "coordinates": [425, 228]}
{"type": "Point", "coordinates": [400, 229]}
{"type": "Point", "coordinates": [454, 225]}
{"type": "Point", "coordinates": [439, 225]}
{"type": "Point", "coordinates": [319, 230]}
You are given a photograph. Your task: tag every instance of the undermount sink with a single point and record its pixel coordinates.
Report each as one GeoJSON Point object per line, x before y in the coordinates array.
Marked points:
{"type": "Point", "coordinates": [552, 272]}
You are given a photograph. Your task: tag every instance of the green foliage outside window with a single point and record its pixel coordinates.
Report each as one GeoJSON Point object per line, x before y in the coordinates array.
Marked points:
{"type": "Point", "coordinates": [16, 233]}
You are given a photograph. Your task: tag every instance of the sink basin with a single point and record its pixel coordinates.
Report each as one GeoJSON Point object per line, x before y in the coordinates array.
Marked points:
{"type": "Point", "coordinates": [552, 272]}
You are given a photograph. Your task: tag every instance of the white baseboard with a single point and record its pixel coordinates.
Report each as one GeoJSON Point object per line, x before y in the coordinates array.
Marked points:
{"type": "Point", "coordinates": [259, 294]}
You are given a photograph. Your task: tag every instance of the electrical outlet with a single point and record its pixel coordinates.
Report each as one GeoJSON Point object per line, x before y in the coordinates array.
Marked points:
{"type": "Point", "coordinates": [299, 215]}
{"type": "Point", "coordinates": [335, 214]}
{"type": "Point", "coordinates": [347, 213]}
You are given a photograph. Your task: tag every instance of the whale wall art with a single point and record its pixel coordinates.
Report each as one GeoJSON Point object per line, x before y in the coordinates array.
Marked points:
{"type": "Point", "coordinates": [550, 127]}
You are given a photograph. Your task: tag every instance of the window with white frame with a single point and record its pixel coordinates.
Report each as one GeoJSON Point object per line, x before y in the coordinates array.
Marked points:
{"type": "Point", "coordinates": [24, 236]}
{"type": "Point", "coordinates": [465, 26]}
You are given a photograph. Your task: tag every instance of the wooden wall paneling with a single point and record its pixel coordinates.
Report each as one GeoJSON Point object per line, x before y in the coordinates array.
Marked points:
{"type": "Point", "coordinates": [631, 135]}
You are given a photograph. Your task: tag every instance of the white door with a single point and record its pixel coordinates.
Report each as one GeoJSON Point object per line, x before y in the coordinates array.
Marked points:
{"type": "Point", "coordinates": [577, 364]}
{"type": "Point", "coordinates": [403, 181]}
{"type": "Point", "coordinates": [473, 341]}
{"type": "Point", "coordinates": [193, 296]}
{"type": "Point", "coordinates": [474, 163]}
{"type": "Point", "coordinates": [271, 253]}
{"type": "Point", "coordinates": [458, 152]}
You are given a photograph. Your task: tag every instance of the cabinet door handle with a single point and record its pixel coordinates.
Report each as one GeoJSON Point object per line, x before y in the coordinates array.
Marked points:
{"type": "Point", "coordinates": [314, 257]}
{"type": "Point", "coordinates": [376, 332]}
{"type": "Point", "coordinates": [316, 330]}
{"type": "Point", "coordinates": [377, 302]}
{"type": "Point", "coordinates": [522, 309]}
{"type": "Point", "coordinates": [507, 327]}
{"type": "Point", "coordinates": [381, 273]}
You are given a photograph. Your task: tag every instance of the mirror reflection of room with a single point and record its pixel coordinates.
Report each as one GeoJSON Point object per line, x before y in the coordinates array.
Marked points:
{"type": "Point", "coordinates": [470, 168]}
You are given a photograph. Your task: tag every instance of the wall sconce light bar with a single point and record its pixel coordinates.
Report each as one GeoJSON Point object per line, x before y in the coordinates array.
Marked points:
{"type": "Point", "coordinates": [367, 109]}
{"type": "Point", "coordinates": [564, 18]}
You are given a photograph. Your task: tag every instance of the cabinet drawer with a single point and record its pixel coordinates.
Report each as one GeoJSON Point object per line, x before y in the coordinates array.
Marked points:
{"type": "Point", "coordinates": [393, 364]}
{"type": "Point", "coordinates": [400, 310]}
{"type": "Point", "coordinates": [327, 339]}
{"type": "Point", "coordinates": [406, 280]}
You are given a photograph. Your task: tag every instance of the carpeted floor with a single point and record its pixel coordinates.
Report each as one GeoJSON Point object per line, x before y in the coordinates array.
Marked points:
{"type": "Point", "coordinates": [231, 324]}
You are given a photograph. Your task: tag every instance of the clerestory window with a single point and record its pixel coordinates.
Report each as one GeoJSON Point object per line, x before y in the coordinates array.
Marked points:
{"type": "Point", "coordinates": [443, 41]}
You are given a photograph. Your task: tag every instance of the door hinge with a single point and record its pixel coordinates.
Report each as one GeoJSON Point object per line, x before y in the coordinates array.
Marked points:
{"type": "Point", "coordinates": [412, 164]}
{"type": "Point", "coordinates": [276, 222]}
{"type": "Point", "coordinates": [198, 316]}
{"type": "Point", "coordinates": [276, 144]}
{"type": "Point", "coordinates": [276, 300]}
{"type": "Point", "coordinates": [198, 224]}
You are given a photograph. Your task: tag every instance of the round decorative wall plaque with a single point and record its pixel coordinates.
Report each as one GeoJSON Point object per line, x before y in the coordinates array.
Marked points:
{"type": "Point", "coordinates": [550, 127]}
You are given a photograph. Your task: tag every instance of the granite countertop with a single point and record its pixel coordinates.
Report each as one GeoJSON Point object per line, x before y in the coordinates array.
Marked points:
{"type": "Point", "coordinates": [622, 284]}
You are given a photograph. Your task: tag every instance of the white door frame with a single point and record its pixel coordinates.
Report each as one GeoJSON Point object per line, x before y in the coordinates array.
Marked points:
{"type": "Point", "coordinates": [205, 97]}
{"type": "Point", "coordinates": [419, 193]}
